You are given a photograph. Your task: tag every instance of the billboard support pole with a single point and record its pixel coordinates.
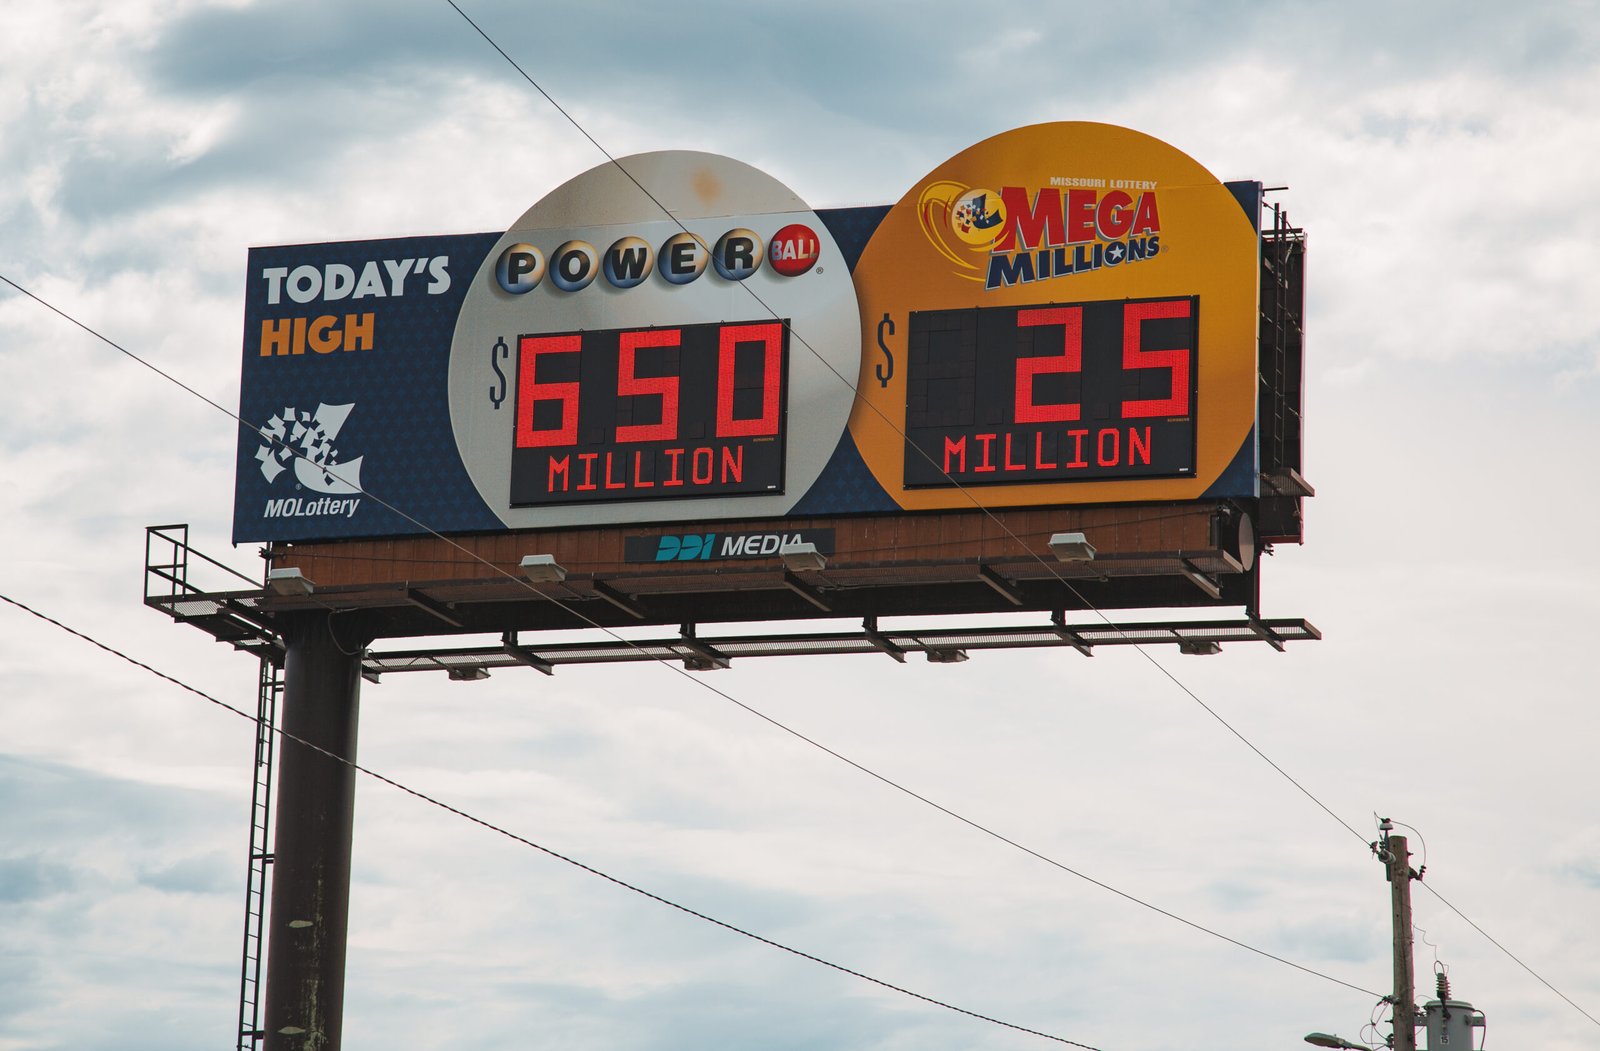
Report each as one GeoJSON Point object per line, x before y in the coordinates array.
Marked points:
{"type": "Point", "coordinates": [311, 865]}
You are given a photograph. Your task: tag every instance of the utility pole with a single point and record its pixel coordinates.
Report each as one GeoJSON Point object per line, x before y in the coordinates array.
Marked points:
{"type": "Point", "coordinates": [1391, 850]}
{"type": "Point", "coordinates": [1450, 1022]}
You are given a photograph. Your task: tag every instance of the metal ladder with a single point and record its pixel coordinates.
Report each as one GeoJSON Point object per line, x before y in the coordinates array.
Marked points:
{"type": "Point", "coordinates": [1281, 348]}
{"type": "Point", "coordinates": [167, 587]}
{"type": "Point", "coordinates": [255, 895]}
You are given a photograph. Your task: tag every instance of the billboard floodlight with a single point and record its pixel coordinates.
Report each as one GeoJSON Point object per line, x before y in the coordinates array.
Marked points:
{"type": "Point", "coordinates": [946, 656]}
{"type": "Point", "coordinates": [803, 557]}
{"type": "Point", "coordinates": [1071, 547]}
{"type": "Point", "coordinates": [543, 569]}
{"type": "Point", "coordinates": [290, 583]}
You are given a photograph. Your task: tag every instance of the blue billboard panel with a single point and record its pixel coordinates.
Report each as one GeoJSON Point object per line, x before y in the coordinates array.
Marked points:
{"type": "Point", "coordinates": [1039, 339]}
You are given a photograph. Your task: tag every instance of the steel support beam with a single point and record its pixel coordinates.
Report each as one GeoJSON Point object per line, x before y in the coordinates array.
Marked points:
{"type": "Point", "coordinates": [316, 809]}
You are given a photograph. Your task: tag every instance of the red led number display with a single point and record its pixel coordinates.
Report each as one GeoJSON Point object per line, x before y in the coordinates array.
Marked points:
{"type": "Point", "coordinates": [531, 392]}
{"type": "Point", "coordinates": [1052, 392]}
{"type": "Point", "coordinates": [1070, 321]}
{"type": "Point", "coordinates": [630, 384]}
{"type": "Point", "coordinates": [1175, 360]}
{"type": "Point", "coordinates": [638, 414]}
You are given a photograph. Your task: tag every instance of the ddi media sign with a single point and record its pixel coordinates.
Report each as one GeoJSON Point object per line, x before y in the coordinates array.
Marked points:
{"type": "Point", "coordinates": [1064, 314]}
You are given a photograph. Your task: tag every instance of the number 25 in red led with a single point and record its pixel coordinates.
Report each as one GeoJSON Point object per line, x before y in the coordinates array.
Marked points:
{"type": "Point", "coordinates": [1134, 357]}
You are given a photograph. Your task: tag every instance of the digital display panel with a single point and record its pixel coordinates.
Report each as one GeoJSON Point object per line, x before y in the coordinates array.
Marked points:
{"type": "Point", "coordinates": [650, 413]}
{"type": "Point", "coordinates": [1053, 392]}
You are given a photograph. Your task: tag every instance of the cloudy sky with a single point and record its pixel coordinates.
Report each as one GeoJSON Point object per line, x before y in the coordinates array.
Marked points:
{"type": "Point", "coordinates": [1440, 156]}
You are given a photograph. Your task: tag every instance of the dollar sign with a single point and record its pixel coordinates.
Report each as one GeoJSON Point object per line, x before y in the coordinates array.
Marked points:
{"type": "Point", "coordinates": [500, 350]}
{"type": "Point", "coordinates": [883, 376]}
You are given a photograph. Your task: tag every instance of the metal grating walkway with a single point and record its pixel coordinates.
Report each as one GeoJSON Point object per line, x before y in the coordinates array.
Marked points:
{"type": "Point", "coordinates": [938, 645]}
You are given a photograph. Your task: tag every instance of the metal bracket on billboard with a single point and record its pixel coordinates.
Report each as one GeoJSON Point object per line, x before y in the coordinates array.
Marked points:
{"type": "Point", "coordinates": [1201, 580]}
{"type": "Point", "coordinates": [617, 599]}
{"type": "Point", "coordinates": [1000, 585]}
{"type": "Point", "coordinates": [1268, 636]}
{"type": "Point", "coordinates": [508, 642]}
{"type": "Point", "coordinates": [706, 658]}
{"type": "Point", "coordinates": [436, 608]}
{"type": "Point", "coordinates": [805, 591]}
{"type": "Point", "coordinates": [869, 628]}
{"type": "Point", "coordinates": [1059, 620]}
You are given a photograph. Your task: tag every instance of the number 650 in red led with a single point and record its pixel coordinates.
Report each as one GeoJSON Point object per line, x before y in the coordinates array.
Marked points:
{"type": "Point", "coordinates": [708, 356]}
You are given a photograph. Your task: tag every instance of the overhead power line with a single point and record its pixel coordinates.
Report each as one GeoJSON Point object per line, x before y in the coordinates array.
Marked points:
{"type": "Point", "coordinates": [665, 662]}
{"type": "Point", "coordinates": [525, 841]}
{"type": "Point", "coordinates": [979, 505]}
{"type": "Point", "coordinates": [701, 682]}
{"type": "Point", "coordinates": [1514, 958]}
{"type": "Point", "coordinates": [964, 490]}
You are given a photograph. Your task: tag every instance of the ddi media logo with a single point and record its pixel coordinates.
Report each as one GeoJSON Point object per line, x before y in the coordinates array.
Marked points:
{"type": "Point", "coordinates": [682, 258]}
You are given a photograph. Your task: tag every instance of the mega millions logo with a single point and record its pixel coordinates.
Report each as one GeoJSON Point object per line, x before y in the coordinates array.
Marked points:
{"type": "Point", "coordinates": [1017, 235]}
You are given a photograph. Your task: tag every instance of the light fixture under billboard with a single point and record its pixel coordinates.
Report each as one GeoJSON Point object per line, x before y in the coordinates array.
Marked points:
{"type": "Point", "coordinates": [1071, 547]}
{"type": "Point", "coordinates": [803, 558]}
{"type": "Point", "coordinates": [290, 583]}
{"type": "Point", "coordinates": [543, 569]}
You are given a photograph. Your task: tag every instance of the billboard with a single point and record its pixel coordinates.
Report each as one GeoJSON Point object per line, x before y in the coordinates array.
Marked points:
{"type": "Point", "coordinates": [1062, 314]}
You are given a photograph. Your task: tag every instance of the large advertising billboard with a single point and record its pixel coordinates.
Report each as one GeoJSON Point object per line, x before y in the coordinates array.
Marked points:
{"type": "Point", "coordinates": [1062, 314]}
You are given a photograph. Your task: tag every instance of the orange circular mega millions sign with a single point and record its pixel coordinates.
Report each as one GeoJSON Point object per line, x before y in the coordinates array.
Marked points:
{"type": "Point", "coordinates": [1064, 313]}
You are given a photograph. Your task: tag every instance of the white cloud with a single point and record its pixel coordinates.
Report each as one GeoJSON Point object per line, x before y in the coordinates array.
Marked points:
{"type": "Point", "coordinates": [1438, 162]}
